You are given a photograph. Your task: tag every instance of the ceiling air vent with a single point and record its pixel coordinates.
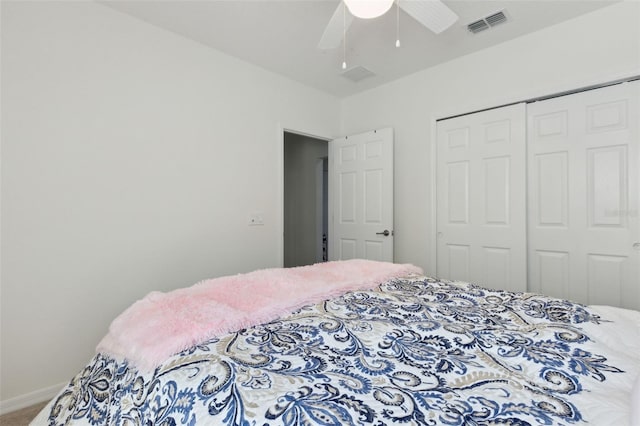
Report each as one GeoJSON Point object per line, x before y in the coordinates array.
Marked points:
{"type": "Point", "coordinates": [496, 18]}
{"type": "Point", "coordinates": [487, 22]}
{"type": "Point", "coordinates": [476, 27]}
{"type": "Point", "coordinates": [357, 73]}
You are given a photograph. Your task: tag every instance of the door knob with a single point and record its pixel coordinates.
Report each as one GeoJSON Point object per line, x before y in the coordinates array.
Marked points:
{"type": "Point", "coordinates": [386, 233]}
{"type": "Point", "coordinates": [636, 246]}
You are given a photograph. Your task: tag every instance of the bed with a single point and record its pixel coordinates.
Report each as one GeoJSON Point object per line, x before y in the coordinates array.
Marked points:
{"type": "Point", "coordinates": [409, 350]}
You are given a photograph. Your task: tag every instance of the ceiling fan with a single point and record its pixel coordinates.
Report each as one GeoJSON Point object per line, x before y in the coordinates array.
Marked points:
{"type": "Point", "coordinates": [433, 14]}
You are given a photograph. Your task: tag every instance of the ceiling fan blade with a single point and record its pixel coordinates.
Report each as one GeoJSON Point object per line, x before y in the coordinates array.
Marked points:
{"type": "Point", "coordinates": [433, 14]}
{"type": "Point", "coordinates": [334, 32]}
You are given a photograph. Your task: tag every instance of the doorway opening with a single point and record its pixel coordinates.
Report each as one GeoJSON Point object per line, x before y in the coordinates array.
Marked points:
{"type": "Point", "coordinates": [305, 200]}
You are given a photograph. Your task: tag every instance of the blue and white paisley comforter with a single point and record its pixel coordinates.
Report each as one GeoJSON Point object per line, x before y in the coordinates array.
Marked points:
{"type": "Point", "coordinates": [418, 351]}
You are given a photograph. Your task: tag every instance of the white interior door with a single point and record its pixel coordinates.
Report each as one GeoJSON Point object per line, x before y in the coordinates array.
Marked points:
{"type": "Point", "coordinates": [361, 196]}
{"type": "Point", "coordinates": [583, 196]}
{"type": "Point", "coordinates": [481, 198]}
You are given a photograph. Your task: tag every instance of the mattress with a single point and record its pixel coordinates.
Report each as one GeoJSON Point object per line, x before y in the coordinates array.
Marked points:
{"type": "Point", "coordinates": [412, 351]}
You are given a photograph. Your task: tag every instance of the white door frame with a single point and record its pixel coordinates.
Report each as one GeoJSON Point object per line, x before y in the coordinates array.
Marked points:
{"type": "Point", "coordinates": [281, 130]}
{"type": "Point", "coordinates": [476, 106]}
{"type": "Point", "coordinates": [320, 188]}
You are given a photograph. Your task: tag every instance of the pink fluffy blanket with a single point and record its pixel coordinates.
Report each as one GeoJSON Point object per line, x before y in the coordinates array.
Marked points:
{"type": "Point", "coordinates": [163, 324]}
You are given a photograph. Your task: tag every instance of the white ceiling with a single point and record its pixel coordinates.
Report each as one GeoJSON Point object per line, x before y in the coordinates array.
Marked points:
{"type": "Point", "coordinates": [282, 36]}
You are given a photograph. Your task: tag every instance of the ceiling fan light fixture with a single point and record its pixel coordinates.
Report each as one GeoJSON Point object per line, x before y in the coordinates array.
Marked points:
{"type": "Point", "coordinates": [367, 9]}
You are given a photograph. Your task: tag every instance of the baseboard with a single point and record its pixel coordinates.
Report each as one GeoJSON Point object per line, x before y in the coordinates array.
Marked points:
{"type": "Point", "coordinates": [29, 399]}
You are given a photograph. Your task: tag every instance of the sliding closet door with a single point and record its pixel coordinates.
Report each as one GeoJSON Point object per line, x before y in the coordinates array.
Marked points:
{"type": "Point", "coordinates": [583, 161]}
{"type": "Point", "coordinates": [481, 196]}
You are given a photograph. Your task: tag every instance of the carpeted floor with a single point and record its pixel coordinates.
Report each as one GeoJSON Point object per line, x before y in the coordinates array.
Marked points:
{"type": "Point", "coordinates": [22, 417]}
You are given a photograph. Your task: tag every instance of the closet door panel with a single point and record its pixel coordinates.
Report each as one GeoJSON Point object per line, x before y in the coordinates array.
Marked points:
{"type": "Point", "coordinates": [496, 182]}
{"type": "Point", "coordinates": [583, 161]}
{"type": "Point", "coordinates": [552, 275]}
{"type": "Point", "coordinates": [607, 186]}
{"type": "Point", "coordinates": [481, 198]}
{"type": "Point", "coordinates": [551, 197]}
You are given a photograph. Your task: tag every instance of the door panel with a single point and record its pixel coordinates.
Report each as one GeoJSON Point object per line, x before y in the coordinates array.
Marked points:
{"type": "Point", "coordinates": [496, 182]}
{"type": "Point", "coordinates": [497, 271]}
{"type": "Point", "coordinates": [583, 190]}
{"type": "Point", "coordinates": [361, 169]}
{"type": "Point", "coordinates": [347, 194]}
{"type": "Point", "coordinates": [552, 276]}
{"type": "Point", "coordinates": [458, 192]}
{"type": "Point", "coordinates": [607, 185]}
{"type": "Point", "coordinates": [481, 213]}
{"type": "Point", "coordinates": [550, 202]}
{"type": "Point", "coordinates": [457, 256]}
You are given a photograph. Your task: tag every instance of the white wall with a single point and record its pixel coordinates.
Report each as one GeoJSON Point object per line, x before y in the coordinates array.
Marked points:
{"type": "Point", "coordinates": [598, 47]}
{"type": "Point", "coordinates": [131, 159]}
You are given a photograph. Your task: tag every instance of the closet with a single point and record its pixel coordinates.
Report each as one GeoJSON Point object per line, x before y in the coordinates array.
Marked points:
{"type": "Point", "coordinates": [543, 197]}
